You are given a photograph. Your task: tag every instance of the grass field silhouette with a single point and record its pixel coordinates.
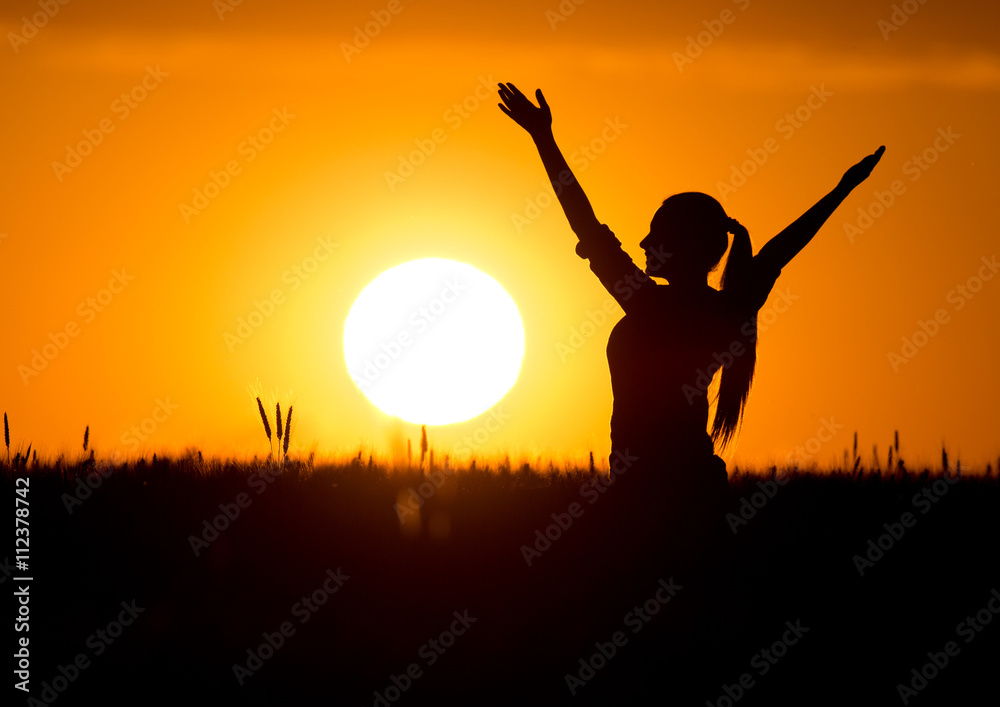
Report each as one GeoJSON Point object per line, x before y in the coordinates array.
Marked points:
{"type": "Point", "coordinates": [261, 582]}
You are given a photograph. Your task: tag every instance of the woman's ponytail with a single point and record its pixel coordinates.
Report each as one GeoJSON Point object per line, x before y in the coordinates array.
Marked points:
{"type": "Point", "coordinates": [734, 387]}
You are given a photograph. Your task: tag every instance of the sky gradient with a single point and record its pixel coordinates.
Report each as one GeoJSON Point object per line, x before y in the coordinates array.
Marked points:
{"type": "Point", "coordinates": [119, 255]}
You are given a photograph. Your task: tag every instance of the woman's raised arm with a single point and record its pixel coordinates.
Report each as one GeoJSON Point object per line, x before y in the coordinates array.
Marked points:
{"type": "Point", "coordinates": [629, 285]}
{"type": "Point", "coordinates": [537, 121]}
{"type": "Point", "coordinates": [778, 251]}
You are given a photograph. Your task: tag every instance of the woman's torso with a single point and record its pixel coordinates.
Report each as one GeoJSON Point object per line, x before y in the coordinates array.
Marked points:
{"type": "Point", "coordinates": [662, 360]}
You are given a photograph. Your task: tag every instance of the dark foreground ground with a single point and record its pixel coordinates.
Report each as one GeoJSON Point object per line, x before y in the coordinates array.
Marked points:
{"type": "Point", "coordinates": [314, 593]}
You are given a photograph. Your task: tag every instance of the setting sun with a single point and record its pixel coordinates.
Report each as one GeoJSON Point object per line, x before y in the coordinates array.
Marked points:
{"type": "Point", "coordinates": [434, 341]}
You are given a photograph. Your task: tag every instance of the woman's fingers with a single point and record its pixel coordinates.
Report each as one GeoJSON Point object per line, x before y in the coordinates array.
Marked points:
{"type": "Point", "coordinates": [513, 89]}
{"type": "Point", "coordinates": [863, 169]}
{"type": "Point", "coordinates": [513, 97]}
{"type": "Point", "coordinates": [505, 94]}
{"type": "Point", "coordinates": [875, 156]}
{"type": "Point", "coordinates": [519, 97]}
{"type": "Point", "coordinates": [510, 98]}
{"type": "Point", "coordinates": [522, 110]}
{"type": "Point", "coordinates": [871, 160]}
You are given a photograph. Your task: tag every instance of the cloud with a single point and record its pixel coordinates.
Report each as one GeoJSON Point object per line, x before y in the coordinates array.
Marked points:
{"type": "Point", "coordinates": [757, 68]}
{"type": "Point", "coordinates": [728, 62]}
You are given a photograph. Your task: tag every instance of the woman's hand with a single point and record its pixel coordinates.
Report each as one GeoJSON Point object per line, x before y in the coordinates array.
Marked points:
{"type": "Point", "coordinates": [537, 120]}
{"type": "Point", "coordinates": [737, 229]}
{"type": "Point", "coordinates": [859, 172]}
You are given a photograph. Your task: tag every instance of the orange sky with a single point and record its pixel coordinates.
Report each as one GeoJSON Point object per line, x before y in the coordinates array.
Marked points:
{"type": "Point", "coordinates": [198, 86]}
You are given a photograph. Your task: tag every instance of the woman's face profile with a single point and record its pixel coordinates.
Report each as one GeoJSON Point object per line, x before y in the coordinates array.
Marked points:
{"type": "Point", "coordinates": [666, 250]}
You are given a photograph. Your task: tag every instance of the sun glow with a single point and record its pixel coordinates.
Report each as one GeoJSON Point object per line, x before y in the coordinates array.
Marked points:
{"type": "Point", "coordinates": [434, 341]}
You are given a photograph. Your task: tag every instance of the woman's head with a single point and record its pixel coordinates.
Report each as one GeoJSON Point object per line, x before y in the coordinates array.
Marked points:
{"type": "Point", "coordinates": [692, 228]}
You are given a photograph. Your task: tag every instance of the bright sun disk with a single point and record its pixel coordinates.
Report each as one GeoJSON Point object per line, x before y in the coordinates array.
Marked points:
{"type": "Point", "coordinates": [434, 341]}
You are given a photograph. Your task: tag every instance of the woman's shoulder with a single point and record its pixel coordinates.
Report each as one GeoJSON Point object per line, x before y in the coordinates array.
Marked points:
{"type": "Point", "coordinates": [749, 294]}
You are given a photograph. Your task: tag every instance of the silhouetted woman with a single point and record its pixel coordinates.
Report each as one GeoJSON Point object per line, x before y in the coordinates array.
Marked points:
{"type": "Point", "coordinates": [673, 334]}
{"type": "Point", "coordinates": [673, 337]}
